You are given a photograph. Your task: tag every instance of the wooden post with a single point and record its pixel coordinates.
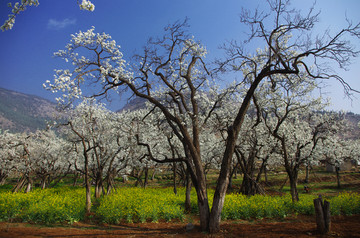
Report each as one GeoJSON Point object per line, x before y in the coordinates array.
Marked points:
{"type": "Point", "coordinates": [322, 213]}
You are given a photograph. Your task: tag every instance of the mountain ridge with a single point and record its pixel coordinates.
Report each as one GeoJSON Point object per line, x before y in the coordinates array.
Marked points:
{"type": "Point", "coordinates": [21, 112]}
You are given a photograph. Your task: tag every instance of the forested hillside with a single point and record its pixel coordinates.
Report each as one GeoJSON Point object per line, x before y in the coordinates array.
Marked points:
{"type": "Point", "coordinates": [22, 112]}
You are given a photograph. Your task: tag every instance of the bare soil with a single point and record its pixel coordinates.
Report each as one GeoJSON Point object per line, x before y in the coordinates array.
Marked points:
{"type": "Point", "coordinates": [300, 226]}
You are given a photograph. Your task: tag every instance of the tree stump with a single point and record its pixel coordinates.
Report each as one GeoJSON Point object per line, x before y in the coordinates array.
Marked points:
{"type": "Point", "coordinates": [322, 213]}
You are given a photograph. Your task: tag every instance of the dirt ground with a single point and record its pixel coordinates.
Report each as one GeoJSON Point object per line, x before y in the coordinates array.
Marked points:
{"type": "Point", "coordinates": [301, 226]}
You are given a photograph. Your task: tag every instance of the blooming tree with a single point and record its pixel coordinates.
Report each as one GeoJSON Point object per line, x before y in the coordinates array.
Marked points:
{"type": "Point", "coordinates": [101, 151]}
{"type": "Point", "coordinates": [254, 151]}
{"type": "Point", "coordinates": [8, 154]}
{"type": "Point", "coordinates": [292, 118]}
{"type": "Point", "coordinates": [21, 6]}
{"type": "Point", "coordinates": [21, 158]}
{"type": "Point", "coordinates": [335, 150]}
{"type": "Point", "coordinates": [51, 157]}
{"type": "Point", "coordinates": [172, 75]}
{"type": "Point", "coordinates": [169, 75]}
{"type": "Point", "coordinates": [40, 155]}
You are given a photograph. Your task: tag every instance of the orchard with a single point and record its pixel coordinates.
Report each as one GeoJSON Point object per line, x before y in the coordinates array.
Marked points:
{"type": "Point", "coordinates": [220, 151]}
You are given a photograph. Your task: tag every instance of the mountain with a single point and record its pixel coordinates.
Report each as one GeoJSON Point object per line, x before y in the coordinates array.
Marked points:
{"type": "Point", "coordinates": [353, 121]}
{"type": "Point", "coordinates": [21, 112]}
{"type": "Point", "coordinates": [134, 104]}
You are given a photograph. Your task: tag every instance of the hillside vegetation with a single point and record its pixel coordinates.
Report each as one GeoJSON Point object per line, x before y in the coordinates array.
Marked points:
{"type": "Point", "coordinates": [22, 112]}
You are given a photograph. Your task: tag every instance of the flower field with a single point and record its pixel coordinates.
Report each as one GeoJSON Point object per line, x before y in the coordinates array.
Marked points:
{"type": "Point", "coordinates": [45, 206]}
{"type": "Point", "coordinates": [153, 204]}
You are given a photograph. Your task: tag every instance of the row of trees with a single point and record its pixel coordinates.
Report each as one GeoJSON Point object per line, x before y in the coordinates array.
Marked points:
{"type": "Point", "coordinates": [174, 77]}
{"type": "Point", "coordinates": [101, 145]}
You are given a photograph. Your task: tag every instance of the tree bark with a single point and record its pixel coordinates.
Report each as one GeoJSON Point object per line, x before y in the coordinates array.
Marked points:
{"type": "Point", "coordinates": [204, 209]}
{"type": "Point", "coordinates": [87, 184]}
{"type": "Point", "coordinates": [233, 133]}
{"type": "Point", "coordinates": [43, 182]}
{"type": "Point", "coordinates": [188, 192]}
{"type": "Point", "coordinates": [222, 184]}
{"type": "Point", "coordinates": [3, 177]}
{"type": "Point", "coordinates": [75, 179]}
{"type": "Point", "coordinates": [322, 213]}
{"type": "Point", "coordinates": [307, 173]}
{"type": "Point", "coordinates": [146, 176]}
{"type": "Point", "coordinates": [29, 184]}
{"type": "Point", "coordinates": [174, 178]}
{"type": "Point", "coordinates": [293, 188]}
{"type": "Point", "coordinates": [232, 174]}
{"type": "Point", "coordinates": [266, 176]}
{"type": "Point", "coordinates": [20, 184]}
{"type": "Point", "coordinates": [337, 170]}
{"type": "Point", "coordinates": [153, 174]}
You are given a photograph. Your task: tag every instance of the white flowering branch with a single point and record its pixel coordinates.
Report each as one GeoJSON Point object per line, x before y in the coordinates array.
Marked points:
{"type": "Point", "coordinates": [21, 6]}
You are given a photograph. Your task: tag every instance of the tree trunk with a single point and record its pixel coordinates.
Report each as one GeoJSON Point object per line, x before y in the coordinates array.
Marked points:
{"type": "Point", "coordinates": [138, 178]}
{"type": "Point", "coordinates": [223, 180]}
{"type": "Point", "coordinates": [229, 188]}
{"type": "Point", "coordinates": [247, 186]}
{"type": "Point", "coordinates": [110, 183]}
{"type": "Point", "coordinates": [283, 184]}
{"type": "Point", "coordinates": [232, 174]}
{"type": "Point", "coordinates": [3, 177]}
{"type": "Point", "coordinates": [111, 186]}
{"type": "Point", "coordinates": [87, 187]}
{"type": "Point", "coordinates": [43, 182]}
{"type": "Point", "coordinates": [188, 193]}
{"type": "Point", "coordinates": [337, 170]}
{"type": "Point", "coordinates": [97, 189]}
{"type": "Point", "coordinates": [266, 176]}
{"type": "Point", "coordinates": [75, 179]}
{"type": "Point", "coordinates": [146, 176]}
{"type": "Point", "coordinates": [201, 191]}
{"type": "Point", "coordinates": [307, 173]}
{"type": "Point", "coordinates": [322, 213]}
{"type": "Point", "coordinates": [29, 185]}
{"type": "Point", "coordinates": [222, 184]}
{"type": "Point", "coordinates": [174, 178]}
{"type": "Point", "coordinates": [204, 209]}
{"type": "Point", "coordinates": [20, 184]}
{"type": "Point", "coordinates": [99, 186]}
{"type": "Point", "coordinates": [153, 174]}
{"type": "Point", "coordinates": [293, 188]}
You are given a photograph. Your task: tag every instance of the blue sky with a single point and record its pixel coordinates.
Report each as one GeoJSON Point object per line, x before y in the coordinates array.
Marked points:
{"type": "Point", "coordinates": [26, 60]}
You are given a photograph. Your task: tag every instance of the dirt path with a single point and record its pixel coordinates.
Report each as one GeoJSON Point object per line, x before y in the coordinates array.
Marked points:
{"type": "Point", "coordinates": [301, 226]}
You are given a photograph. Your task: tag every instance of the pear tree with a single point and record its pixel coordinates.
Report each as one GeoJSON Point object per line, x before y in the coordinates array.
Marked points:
{"type": "Point", "coordinates": [172, 74]}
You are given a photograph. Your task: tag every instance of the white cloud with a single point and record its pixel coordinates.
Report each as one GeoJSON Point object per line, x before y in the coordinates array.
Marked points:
{"type": "Point", "coordinates": [57, 25]}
